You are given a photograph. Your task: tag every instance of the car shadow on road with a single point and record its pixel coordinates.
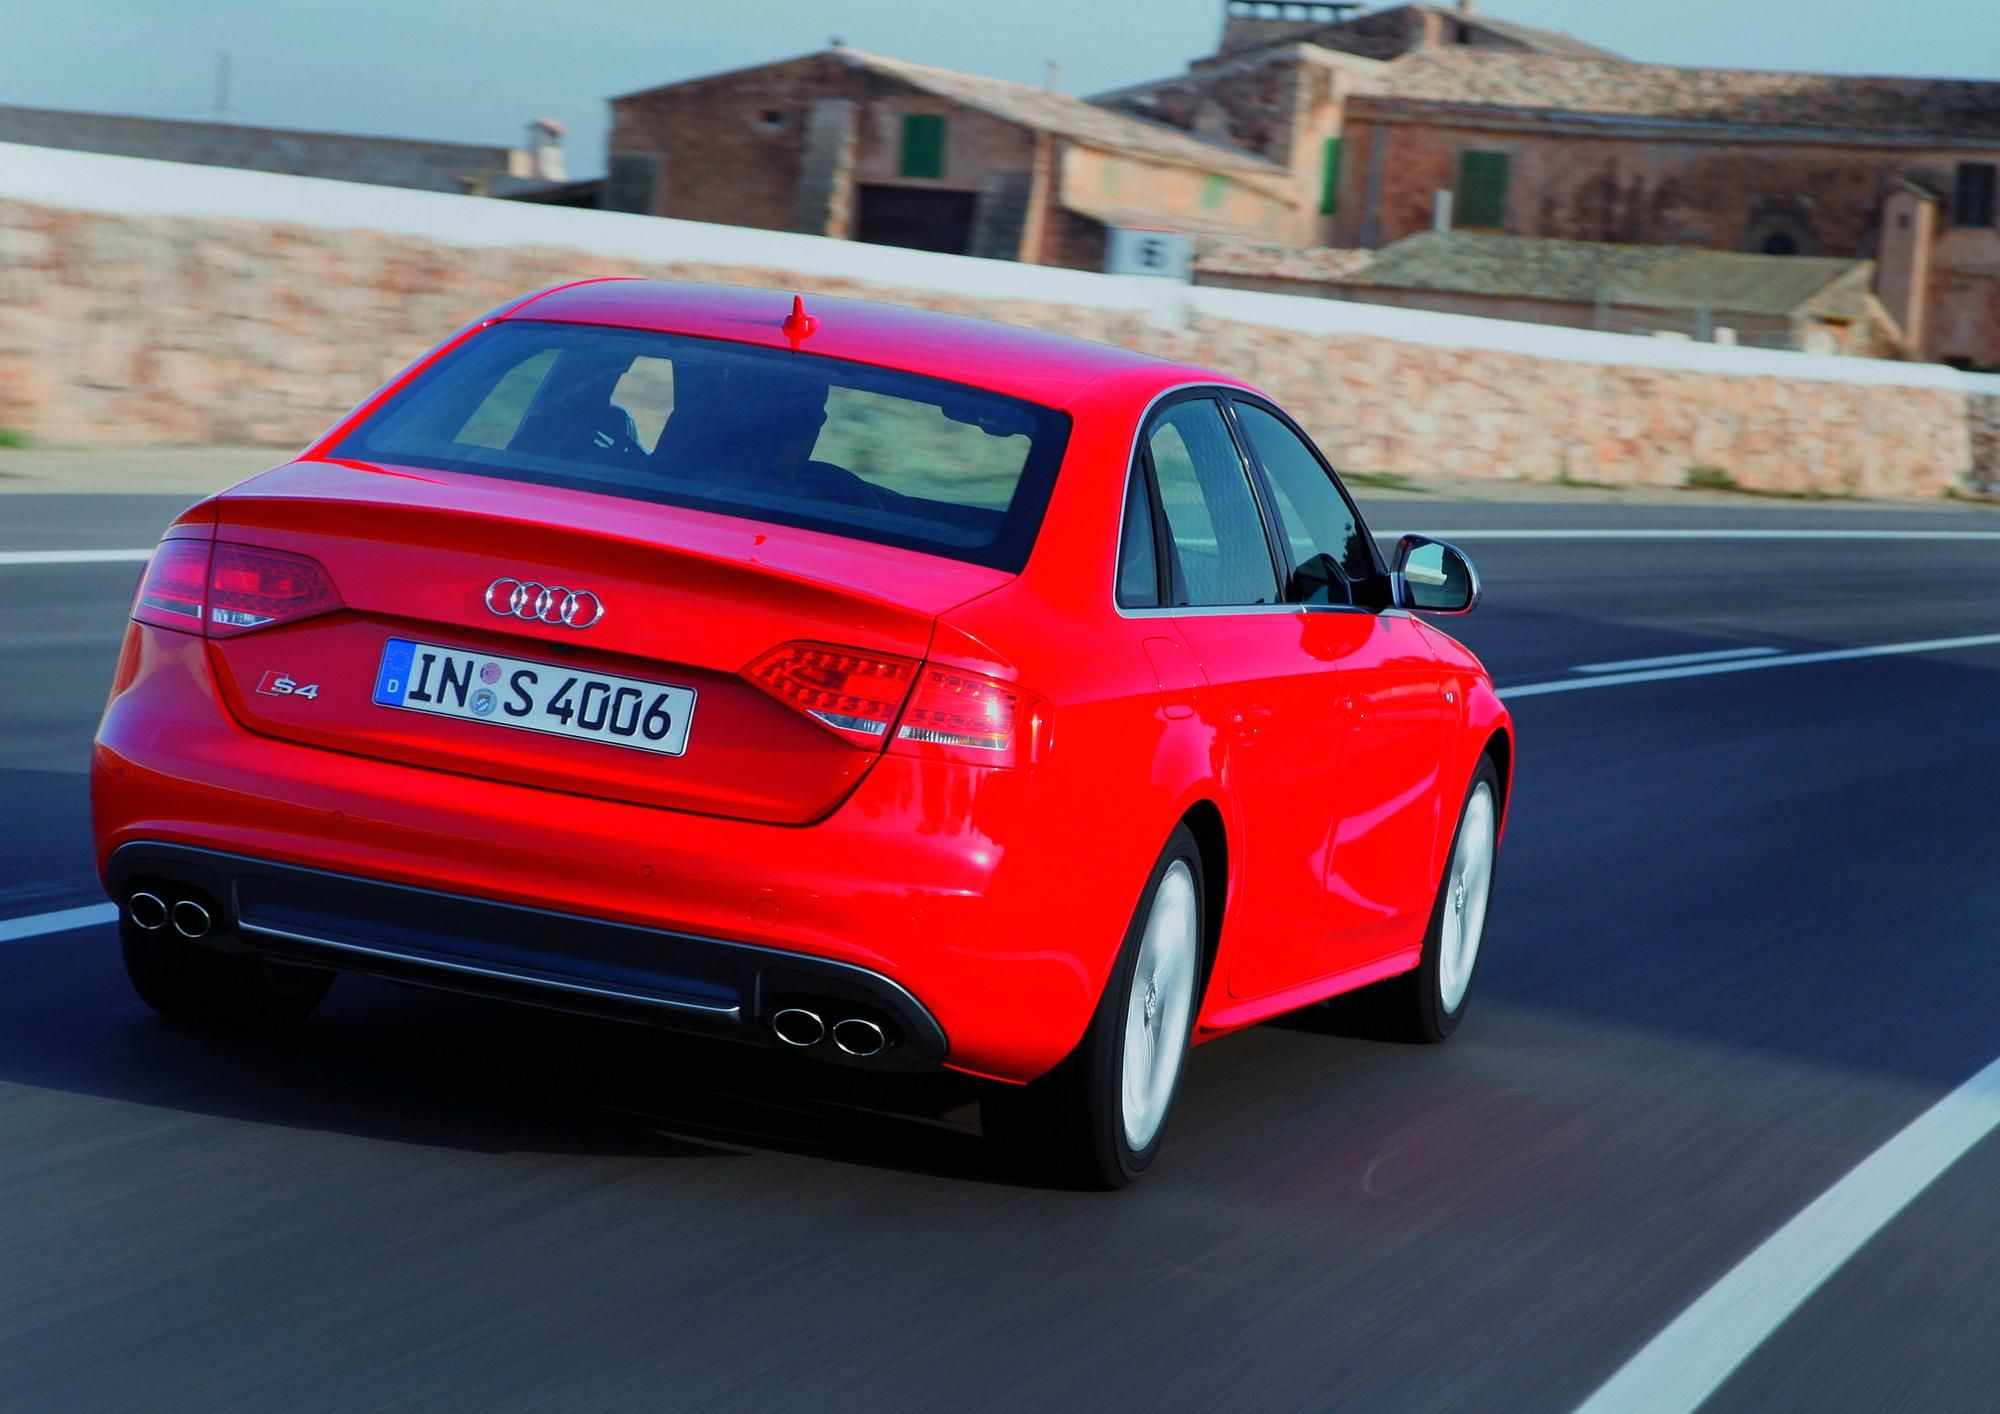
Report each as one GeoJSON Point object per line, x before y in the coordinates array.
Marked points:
{"type": "Point", "coordinates": [414, 1066]}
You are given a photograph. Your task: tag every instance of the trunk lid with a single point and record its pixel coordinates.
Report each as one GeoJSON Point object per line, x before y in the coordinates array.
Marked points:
{"type": "Point", "coordinates": [689, 600]}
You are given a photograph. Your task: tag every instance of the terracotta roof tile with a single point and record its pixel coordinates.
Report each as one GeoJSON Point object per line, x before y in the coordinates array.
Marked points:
{"type": "Point", "coordinates": [1065, 115]}
{"type": "Point", "coordinates": [1470, 262]}
{"type": "Point", "coordinates": [1614, 88]}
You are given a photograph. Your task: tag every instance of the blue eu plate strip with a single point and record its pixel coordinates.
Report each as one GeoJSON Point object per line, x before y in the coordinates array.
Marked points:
{"type": "Point", "coordinates": [394, 679]}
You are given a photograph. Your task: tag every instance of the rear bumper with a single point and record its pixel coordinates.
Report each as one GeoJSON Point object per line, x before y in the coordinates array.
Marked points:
{"type": "Point", "coordinates": [955, 884]}
{"type": "Point", "coordinates": [555, 960]}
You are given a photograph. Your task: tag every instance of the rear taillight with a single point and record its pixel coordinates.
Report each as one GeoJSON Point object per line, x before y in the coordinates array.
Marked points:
{"type": "Point", "coordinates": [175, 586]}
{"type": "Point", "coordinates": [227, 589]}
{"type": "Point", "coordinates": [856, 694]}
{"type": "Point", "coordinates": [966, 717]}
{"type": "Point", "coordinates": [949, 715]}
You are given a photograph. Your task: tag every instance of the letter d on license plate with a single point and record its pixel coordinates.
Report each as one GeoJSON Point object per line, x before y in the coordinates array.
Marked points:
{"type": "Point", "coordinates": [536, 697]}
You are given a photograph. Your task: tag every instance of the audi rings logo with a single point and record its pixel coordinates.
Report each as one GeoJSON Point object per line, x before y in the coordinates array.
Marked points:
{"type": "Point", "coordinates": [548, 603]}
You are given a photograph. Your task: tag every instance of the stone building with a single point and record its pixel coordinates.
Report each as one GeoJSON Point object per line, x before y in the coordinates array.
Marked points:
{"type": "Point", "coordinates": [1802, 303]}
{"type": "Point", "coordinates": [346, 157]}
{"type": "Point", "coordinates": [846, 143]}
{"type": "Point", "coordinates": [1417, 117]}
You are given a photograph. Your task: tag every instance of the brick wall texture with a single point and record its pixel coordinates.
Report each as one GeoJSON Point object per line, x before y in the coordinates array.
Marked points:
{"type": "Point", "coordinates": [134, 330]}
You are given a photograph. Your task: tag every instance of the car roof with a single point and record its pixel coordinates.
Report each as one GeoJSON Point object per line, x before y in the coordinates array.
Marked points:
{"type": "Point", "coordinates": [1051, 369]}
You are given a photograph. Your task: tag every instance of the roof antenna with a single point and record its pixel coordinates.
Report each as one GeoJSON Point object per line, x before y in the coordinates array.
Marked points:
{"type": "Point", "coordinates": [799, 325]}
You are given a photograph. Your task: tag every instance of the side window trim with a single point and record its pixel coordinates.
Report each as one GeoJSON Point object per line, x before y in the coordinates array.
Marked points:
{"type": "Point", "coordinates": [1263, 484]}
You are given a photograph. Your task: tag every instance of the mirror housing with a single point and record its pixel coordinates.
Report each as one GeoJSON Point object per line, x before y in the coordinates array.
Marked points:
{"type": "Point", "coordinates": [1433, 577]}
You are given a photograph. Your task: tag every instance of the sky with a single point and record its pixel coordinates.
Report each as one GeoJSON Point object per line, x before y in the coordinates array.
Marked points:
{"type": "Point", "coordinates": [479, 70]}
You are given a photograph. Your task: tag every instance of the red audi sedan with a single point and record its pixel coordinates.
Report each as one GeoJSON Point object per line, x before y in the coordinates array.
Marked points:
{"type": "Point", "coordinates": [901, 690]}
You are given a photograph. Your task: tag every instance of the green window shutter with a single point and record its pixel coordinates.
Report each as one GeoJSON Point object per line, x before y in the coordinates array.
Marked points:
{"type": "Point", "coordinates": [1482, 189]}
{"type": "Point", "coordinates": [1329, 177]}
{"type": "Point", "coordinates": [923, 145]}
{"type": "Point", "coordinates": [1214, 187]}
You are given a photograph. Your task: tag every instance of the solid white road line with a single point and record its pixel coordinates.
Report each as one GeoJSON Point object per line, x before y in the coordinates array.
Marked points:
{"type": "Point", "coordinates": [74, 557]}
{"type": "Point", "coordinates": [1719, 655]}
{"type": "Point", "coordinates": [1689, 1360]}
{"type": "Point", "coordinates": [1773, 534]}
{"type": "Point", "coordinates": [1744, 665]}
{"type": "Point", "coordinates": [61, 921]}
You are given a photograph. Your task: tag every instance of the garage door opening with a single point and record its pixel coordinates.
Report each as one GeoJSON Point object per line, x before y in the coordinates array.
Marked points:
{"type": "Point", "coordinates": [919, 218]}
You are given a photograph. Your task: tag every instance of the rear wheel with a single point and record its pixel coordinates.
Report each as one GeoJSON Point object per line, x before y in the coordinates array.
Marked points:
{"type": "Point", "coordinates": [1427, 1004]}
{"type": "Point", "coordinates": [1096, 1121]}
{"type": "Point", "coordinates": [202, 986]}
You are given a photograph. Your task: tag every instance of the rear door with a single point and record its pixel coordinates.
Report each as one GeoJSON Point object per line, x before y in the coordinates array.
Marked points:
{"type": "Point", "coordinates": [1266, 694]}
{"type": "Point", "coordinates": [1389, 716]}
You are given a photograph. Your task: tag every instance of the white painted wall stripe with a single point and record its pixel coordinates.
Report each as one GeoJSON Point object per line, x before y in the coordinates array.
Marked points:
{"type": "Point", "coordinates": [1672, 660]}
{"type": "Point", "coordinates": [1746, 665]}
{"type": "Point", "coordinates": [75, 557]}
{"type": "Point", "coordinates": [1689, 1360]}
{"type": "Point", "coordinates": [61, 921]}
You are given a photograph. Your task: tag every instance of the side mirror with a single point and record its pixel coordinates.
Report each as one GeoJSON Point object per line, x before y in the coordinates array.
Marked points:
{"type": "Point", "coordinates": [1433, 576]}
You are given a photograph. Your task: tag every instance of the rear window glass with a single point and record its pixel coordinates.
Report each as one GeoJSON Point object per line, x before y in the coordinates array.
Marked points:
{"type": "Point", "coordinates": [791, 438]}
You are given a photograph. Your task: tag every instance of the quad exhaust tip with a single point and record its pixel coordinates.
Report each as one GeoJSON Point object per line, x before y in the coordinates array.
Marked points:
{"type": "Point", "coordinates": [148, 912]}
{"type": "Point", "coordinates": [856, 1036]}
{"type": "Point", "coordinates": [796, 1026]}
{"type": "Point", "coordinates": [191, 920]}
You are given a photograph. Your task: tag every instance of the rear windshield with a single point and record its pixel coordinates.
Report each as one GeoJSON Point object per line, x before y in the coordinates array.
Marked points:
{"type": "Point", "coordinates": [775, 436]}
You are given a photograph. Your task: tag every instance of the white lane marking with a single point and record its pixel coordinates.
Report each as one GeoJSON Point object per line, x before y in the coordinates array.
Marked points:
{"type": "Point", "coordinates": [1782, 660]}
{"type": "Point", "coordinates": [74, 557]}
{"type": "Point", "coordinates": [1719, 655]}
{"type": "Point", "coordinates": [61, 921]}
{"type": "Point", "coordinates": [1688, 1361]}
{"type": "Point", "coordinates": [1774, 534]}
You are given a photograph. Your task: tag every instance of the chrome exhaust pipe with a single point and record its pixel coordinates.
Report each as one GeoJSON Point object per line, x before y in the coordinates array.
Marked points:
{"type": "Point", "coordinates": [796, 1026]}
{"type": "Point", "coordinates": [148, 912]}
{"type": "Point", "coordinates": [857, 1036]}
{"type": "Point", "coordinates": [191, 920]}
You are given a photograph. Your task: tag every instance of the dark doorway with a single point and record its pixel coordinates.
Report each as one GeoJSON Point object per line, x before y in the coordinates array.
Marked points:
{"type": "Point", "coordinates": [921, 218]}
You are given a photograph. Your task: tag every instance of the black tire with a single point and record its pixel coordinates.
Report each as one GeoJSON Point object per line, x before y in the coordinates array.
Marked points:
{"type": "Point", "coordinates": [1068, 1128]}
{"type": "Point", "coordinates": [1411, 1007]}
{"type": "Point", "coordinates": [201, 986]}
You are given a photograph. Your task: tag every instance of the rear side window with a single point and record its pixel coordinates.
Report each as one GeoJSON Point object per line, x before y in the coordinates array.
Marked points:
{"type": "Point", "coordinates": [1212, 518]}
{"type": "Point", "coordinates": [1327, 544]}
{"type": "Point", "coordinates": [894, 458]}
{"type": "Point", "coordinates": [1138, 561]}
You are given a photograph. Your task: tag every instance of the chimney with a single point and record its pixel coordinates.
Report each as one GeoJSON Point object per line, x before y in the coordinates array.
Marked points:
{"type": "Point", "coordinates": [1468, 7]}
{"type": "Point", "coordinates": [545, 150]}
{"type": "Point", "coordinates": [1052, 77]}
{"type": "Point", "coordinates": [1903, 266]}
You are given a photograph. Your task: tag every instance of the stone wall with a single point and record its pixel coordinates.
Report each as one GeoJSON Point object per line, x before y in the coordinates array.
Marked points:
{"type": "Point", "coordinates": [156, 325]}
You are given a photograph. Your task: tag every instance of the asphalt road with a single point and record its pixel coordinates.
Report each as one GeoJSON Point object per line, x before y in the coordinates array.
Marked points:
{"type": "Point", "coordinates": [1747, 928]}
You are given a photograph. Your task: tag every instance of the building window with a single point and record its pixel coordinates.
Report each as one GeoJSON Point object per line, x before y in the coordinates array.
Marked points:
{"type": "Point", "coordinates": [1780, 243]}
{"type": "Point", "coordinates": [1974, 203]}
{"type": "Point", "coordinates": [1329, 176]}
{"type": "Point", "coordinates": [1482, 189]}
{"type": "Point", "coordinates": [923, 145]}
{"type": "Point", "coordinates": [1214, 188]}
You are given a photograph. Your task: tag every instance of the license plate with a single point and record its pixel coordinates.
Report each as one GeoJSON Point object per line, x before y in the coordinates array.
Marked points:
{"type": "Point", "coordinates": [536, 697]}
